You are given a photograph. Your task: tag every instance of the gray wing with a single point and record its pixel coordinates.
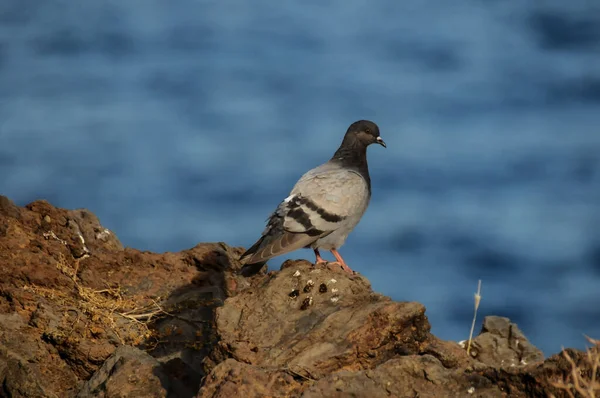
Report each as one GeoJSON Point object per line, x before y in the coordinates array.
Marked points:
{"type": "Point", "coordinates": [330, 194]}
{"type": "Point", "coordinates": [318, 204]}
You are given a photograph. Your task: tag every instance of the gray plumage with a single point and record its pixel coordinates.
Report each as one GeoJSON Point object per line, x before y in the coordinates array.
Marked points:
{"type": "Point", "coordinates": [325, 204]}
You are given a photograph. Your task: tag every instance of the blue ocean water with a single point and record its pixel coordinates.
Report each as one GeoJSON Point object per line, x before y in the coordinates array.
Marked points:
{"type": "Point", "coordinates": [182, 122]}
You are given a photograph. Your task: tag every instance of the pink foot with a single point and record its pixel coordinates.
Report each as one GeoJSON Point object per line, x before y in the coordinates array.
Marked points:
{"type": "Point", "coordinates": [319, 259]}
{"type": "Point", "coordinates": [341, 262]}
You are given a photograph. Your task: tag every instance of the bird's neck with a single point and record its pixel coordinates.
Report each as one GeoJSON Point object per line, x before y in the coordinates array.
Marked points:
{"type": "Point", "coordinates": [353, 155]}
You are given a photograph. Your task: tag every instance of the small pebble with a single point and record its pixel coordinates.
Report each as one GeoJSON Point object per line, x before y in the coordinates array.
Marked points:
{"type": "Point", "coordinates": [323, 288]}
{"type": "Point", "coordinates": [295, 293]}
{"type": "Point", "coordinates": [307, 302]}
{"type": "Point", "coordinates": [309, 286]}
{"type": "Point", "coordinates": [335, 299]}
{"type": "Point", "coordinates": [297, 274]}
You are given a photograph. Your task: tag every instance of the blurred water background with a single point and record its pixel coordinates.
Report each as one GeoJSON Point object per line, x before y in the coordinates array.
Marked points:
{"type": "Point", "coordinates": [182, 122]}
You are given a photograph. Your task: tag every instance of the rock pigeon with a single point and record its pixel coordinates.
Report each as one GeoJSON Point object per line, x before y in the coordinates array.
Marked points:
{"type": "Point", "coordinates": [324, 206]}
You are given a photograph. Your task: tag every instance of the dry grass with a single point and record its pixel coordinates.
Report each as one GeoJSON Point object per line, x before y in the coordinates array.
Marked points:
{"type": "Point", "coordinates": [477, 299]}
{"type": "Point", "coordinates": [110, 308]}
{"type": "Point", "coordinates": [583, 380]}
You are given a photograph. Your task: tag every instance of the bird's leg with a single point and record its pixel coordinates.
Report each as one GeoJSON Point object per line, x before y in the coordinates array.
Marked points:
{"type": "Point", "coordinates": [340, 260]}
{"type": "Point", "coordinates": [319, 259]}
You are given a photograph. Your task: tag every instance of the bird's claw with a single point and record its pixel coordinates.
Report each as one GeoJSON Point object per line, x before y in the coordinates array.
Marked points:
{"type": "Point", "coordinates": [332, 265]}
{"type": "Point", "coordinates": [345, 267]}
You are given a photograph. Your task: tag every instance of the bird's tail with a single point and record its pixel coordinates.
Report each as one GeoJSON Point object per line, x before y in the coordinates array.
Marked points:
{"type": "Point", "coordinates": [249, 254]}
{"type": "Point", "coordinates": [249, 269]}
{"type": "Point", "coordinates": [252, 269]}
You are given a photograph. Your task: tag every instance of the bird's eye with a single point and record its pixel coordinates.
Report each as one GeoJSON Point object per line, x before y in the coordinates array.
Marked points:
{"type": "Point", "coordinates": [368, 131]}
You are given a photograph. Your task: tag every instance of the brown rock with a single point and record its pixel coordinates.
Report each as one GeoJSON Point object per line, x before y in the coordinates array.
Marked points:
{"type": "Point", "coordinates": [502, 344]}
{"type": "Point", "coordinates": [317, 333]}
{"type": "Point", "coordinates": [28, 368]}
{"type": "Point", "coordinates": [8, 208]}
{"type": "Point", "coordinates": [18, 378]}
{"type": "Point", "coordinates": [81, 315]}
{"type": "Point", "coordinates": [235, 379]}
{"type": "Point", "coordinates": [408, 376]}
{"type": "Point", "coordinates": [350, 342]}
{"type": "Point", "coordinates": [70, 295]}
{"type": "Point", "coordinates": [129, 372]}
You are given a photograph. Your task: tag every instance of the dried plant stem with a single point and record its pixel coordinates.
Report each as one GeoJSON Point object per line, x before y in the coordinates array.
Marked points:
{"type": "Point", "coordinates": [582, 379]}
{"type": "Point", "coordinates": [477, 300]}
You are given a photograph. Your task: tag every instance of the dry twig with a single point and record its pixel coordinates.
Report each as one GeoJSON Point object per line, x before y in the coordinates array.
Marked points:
{"type": "Point", "coordinates": [583, 377]}
{"type": "Point", "coordinates": [477, 301]}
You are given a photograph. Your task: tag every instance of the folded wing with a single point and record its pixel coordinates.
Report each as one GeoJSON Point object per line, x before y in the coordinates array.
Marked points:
{"type": "Point", "coordinates": [319, 204]}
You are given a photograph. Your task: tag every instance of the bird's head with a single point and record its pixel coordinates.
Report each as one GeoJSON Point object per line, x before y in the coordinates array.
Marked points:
{"type": "Point", "coordinates": [365, 132]}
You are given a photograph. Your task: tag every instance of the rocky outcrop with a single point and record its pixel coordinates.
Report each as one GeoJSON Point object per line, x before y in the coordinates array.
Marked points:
{"type": "Point", "coordinates": [128, 372]}
{"type": "Point", "coordinates": [70, 295]}
{"type": "Point", "coordinates": [316, 332]}
{"type": "Point", "coordinates": [81, 316]}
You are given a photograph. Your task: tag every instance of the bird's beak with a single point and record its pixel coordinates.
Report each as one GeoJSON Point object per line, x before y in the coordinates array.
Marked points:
{"type": "Point", "coordinates": [381, 142]}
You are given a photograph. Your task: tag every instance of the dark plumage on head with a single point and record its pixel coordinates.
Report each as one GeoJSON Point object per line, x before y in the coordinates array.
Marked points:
{"type": "Point", "coordinates": [363, 133]}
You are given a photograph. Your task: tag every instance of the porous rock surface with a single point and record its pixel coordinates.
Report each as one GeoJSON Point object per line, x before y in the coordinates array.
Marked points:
{"type": "Point", "coordinates": [82, 316]}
